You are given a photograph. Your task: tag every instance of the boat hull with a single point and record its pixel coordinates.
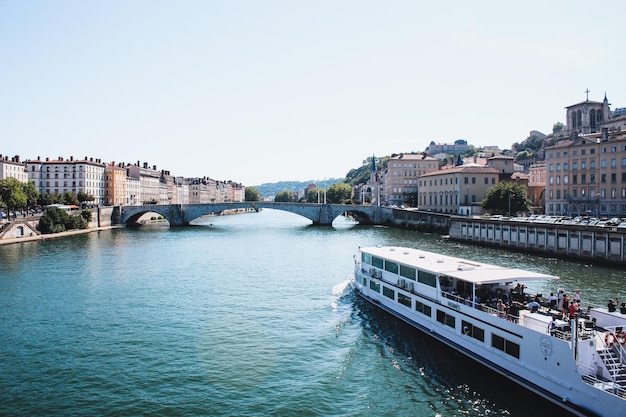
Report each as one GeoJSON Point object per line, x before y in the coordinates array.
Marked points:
{"type": "Point", "coordinates": [575, 396]}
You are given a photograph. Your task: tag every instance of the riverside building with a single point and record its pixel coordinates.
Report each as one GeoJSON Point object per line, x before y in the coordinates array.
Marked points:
{"type": "Point", "coordinates": [69, 175]}
{"type": "Point", "coordinates": [400, 182]}
{"type": "Point", "coordinates": [12, 168]}
{"type": "Point", "coordinates": [586, 166]}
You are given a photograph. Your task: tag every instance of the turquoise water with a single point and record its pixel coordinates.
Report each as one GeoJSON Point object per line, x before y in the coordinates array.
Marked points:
{"type": "Point", "coordinates": [245, 315]}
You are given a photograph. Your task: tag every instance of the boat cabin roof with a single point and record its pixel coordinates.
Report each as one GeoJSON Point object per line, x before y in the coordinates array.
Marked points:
{"type": "Point", "coordinates": [463, 269]}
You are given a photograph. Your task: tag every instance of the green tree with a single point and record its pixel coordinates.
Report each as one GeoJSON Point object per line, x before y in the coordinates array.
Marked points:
{"type": "Point", "coordinates": [506, 198]}
{"type": "Point", "coordinates": [32, 195]}
{"type": "Point", "coordinates": [558, 126]}
{"type": "Point", "coordinates": [70, 198]}
{"type": "Point", "coordinates": [55, 220]}
{"type": "Point", "coordinates": [339, 193]}
{"type": "Point", "coordinates": [47, 199]}
{"type": "Point", "coordinates": [252, 194]}
{"type": "Point", "coordinates": [86, 214]}
{"type": "Point", "coordinates": [83, 197]}
{"type": "Point", "coordinates": [315, 195]}
{"type": "Point", "coordinates": [470, 151]}
{"type": "Point", "coordinates": [284, 197]}
{"type": "Point", "coordinates": [12, 195]}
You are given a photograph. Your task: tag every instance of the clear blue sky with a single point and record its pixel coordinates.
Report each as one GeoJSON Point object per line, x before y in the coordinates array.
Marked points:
{"type": "Point", "coordinates": [264, 91]}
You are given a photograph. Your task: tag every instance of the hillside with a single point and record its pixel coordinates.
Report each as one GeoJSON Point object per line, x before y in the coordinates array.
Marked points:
{"type": "Point", "coordinates": [271, 189]}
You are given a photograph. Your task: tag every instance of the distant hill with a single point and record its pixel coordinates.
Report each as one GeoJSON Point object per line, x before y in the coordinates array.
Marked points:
{"type": "Point", "coordinates": [271, 189]}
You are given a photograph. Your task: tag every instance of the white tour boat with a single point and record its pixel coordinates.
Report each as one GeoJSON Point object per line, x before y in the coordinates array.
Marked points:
{"type": "Point", "coordinates": [579, 365]}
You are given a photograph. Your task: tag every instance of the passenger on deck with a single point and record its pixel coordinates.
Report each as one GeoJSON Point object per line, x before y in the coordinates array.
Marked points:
{"type": "Point", "coordinates": [566, 301]}
{"type": "Point", "coordinates": [578, 296]}
{"type": "Point", "coordinates": [612, 306]}
{"type": "Point", "coordinates": [622, 308]}
{"type": "Point", "coordinates": [533, 306]}
{"type": "Point", "coordinates": [516, 306]}
{"type": "Point", "coordinates": [573, 309]}
{"type": "Point", "coordinates": [559, 304]}
{"type": "Point", "coordinates": [552, 301]}
{"type": "Point", "coordinates": [552, 326]}
{"type": "Point", "coordinates": [501, 307]}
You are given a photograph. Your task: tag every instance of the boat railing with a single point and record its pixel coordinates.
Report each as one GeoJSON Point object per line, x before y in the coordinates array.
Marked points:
{"type": "Point", "coordinates": [589, 376]}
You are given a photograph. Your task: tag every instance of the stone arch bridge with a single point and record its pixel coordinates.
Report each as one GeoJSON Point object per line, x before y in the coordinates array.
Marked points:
{"type": "Point", "coordinates": [319, 214]}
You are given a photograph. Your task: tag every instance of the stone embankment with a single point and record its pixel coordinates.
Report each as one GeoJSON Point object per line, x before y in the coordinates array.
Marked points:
{"type": "Point", "coordinates": [25, 229]}
{"type": "Point", "coordinates": [588, 243]}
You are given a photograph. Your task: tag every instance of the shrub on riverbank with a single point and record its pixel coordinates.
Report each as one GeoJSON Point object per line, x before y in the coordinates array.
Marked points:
{"type": "Point", "coordinates": [55, 220]}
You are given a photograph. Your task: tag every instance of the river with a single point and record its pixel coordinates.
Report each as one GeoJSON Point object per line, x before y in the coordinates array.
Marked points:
{"type": "Point", "coordinates": [243, 315]}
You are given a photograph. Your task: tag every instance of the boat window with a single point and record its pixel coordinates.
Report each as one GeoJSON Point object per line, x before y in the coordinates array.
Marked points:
{"type": "Point", "coordinates": [423, 308]}
{"type": "Point", "coordinates": [391, 267]}
{"type": "Point", "coordinates": [505, 345]}
{"type": "Point", "coordinates": [374, 286]}
{"type": "Point", "coordinates": [366, 258]}
{"type": "Point", "coordinates": [446, 319]}
{"type": "Point", "coordinates": [388, 292]}
{"type": "Point", "coordinates": [377, 262]}
{"type": "Point", "coordinates": [405, 300]}
{"type": "Point", "coordinates": [361, 279]}
{"type": "Point", "coordinates": [469, 329]}
{"type": "Point", "coordinates": [427, 278]}
{"type": "Point", "coordinates": [407, 272]}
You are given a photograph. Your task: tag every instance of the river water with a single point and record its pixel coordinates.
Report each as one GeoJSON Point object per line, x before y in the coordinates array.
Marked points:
{"type": "Point", "coordinates": [244, 315]}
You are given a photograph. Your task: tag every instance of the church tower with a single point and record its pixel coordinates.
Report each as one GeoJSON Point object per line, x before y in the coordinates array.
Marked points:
{"type": "Point", "coordinates": [586, 116]}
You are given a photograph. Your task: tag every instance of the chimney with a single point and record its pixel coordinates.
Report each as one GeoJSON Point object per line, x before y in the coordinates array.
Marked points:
{"type": "Point", "coordinates": [72, 158]}
{"type": "Point", "coordinates": [145, 165]}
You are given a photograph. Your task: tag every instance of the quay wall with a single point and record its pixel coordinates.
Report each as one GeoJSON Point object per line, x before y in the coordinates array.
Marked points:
{"type": "Point", "coordinates": [602, 244]}
{"type": "Point", "coordinates": [422, 221]}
